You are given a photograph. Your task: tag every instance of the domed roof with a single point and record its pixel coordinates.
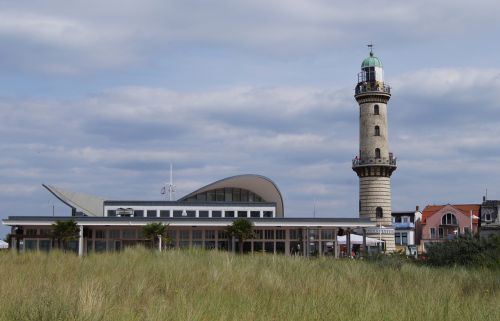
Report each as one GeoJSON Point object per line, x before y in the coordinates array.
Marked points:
{"type": "Point", "coordinates": [371, 61]}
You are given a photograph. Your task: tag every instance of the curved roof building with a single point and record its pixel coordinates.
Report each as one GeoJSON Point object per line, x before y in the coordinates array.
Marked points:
{"type": "Point", "coordinates": [240, 188]}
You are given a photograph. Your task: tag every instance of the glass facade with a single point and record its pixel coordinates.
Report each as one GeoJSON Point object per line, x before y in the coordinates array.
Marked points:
{"type": "Point", "coordinates": [227, 195]}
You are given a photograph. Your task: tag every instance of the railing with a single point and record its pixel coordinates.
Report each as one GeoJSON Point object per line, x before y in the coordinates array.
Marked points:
{"type": "Point", "coordinates": [374, 161]}
{"type": "Point", "coordinates": [403, 225]}
{"type": "Point", "coordinates": [367, 87]}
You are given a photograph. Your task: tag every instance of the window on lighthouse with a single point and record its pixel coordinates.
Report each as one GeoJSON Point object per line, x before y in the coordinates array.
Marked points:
{"type": "Point", "coordinates": [379, 213]}
{"type": "Point", "coordinates": [376, 110]}
{"type": "Point", "coordinates": [377, 131]}
{"type": "Point", "coordinates": [377, 152]}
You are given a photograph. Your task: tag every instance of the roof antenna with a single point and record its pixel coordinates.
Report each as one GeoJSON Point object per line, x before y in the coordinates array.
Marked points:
{"type": "Point", "coordinates": [370, 45]}
{"type": "Point", "coordinates": [314, 209]}
{"type": "Point", "coordinates": [170, 187]}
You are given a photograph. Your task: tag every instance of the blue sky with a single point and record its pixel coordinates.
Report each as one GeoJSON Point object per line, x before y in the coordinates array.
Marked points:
{"type": "Point", "coordinates": [100, 98]}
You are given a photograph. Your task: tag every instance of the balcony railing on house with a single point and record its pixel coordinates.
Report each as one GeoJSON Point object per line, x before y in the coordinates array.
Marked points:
{"type": "Point", "coordinates": [402, 226]}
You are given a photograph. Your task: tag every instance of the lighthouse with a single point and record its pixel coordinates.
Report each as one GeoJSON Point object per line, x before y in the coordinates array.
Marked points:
{"type": "Point", "coordinates": [375, 163]}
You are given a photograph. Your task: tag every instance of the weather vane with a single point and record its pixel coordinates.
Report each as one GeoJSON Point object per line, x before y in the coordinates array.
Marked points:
{"type": "Point", "coordinates": [370, 45]}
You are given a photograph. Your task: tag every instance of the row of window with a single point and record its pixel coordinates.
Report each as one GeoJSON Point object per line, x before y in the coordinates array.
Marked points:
{"type": "Point", "coordinates": [187, 213]}
{"type": "Point", "coordinates": [445, 233]}
{"type": "Point", "coordinates": [226, 195]}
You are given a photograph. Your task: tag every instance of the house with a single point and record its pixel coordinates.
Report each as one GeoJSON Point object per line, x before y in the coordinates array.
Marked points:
{"type": "Point", "coordinates": [444, 222]}
{"type": "Point", "coordinates": [490, 218]}
{"type": "Point", "coordinates": [406, 230]}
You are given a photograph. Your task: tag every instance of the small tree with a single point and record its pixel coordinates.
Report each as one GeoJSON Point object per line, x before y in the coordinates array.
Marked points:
{"type": "Point", "coordinates": [242, 229]}
{"type": "Point", "coordinates": [156, 231]}
{"type": "Point", "coordinates": [64, 231]}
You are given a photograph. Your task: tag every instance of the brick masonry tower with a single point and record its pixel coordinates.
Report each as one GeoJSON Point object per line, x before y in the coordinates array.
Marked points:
{"type": "Point", "coordinates": [375, 163]}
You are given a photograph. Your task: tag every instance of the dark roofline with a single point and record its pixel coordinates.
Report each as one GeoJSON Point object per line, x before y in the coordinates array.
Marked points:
{"type": "Point", "coordinates": [403, 213]}
{"type": "Point", "coordinates": [201, 219]}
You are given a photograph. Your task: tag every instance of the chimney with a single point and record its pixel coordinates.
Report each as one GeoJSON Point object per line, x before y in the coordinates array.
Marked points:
{"type": "Point", "coordinates": [417, 208]}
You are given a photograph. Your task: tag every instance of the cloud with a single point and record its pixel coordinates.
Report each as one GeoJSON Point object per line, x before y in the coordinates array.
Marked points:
{"type": "Point", "coordinates": [82, 36]}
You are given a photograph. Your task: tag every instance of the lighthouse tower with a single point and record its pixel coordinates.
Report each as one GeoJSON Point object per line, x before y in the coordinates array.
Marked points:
{"type": "Point", "coordinates": [375, 163]}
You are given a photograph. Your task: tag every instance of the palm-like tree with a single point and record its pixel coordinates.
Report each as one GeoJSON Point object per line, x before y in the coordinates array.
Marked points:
{"type": "Point", "coordinates": [242, 229]}
{"type": "Point", "coordinates": [64, 231]}
{"type": "Point", "coordinates": [156, 231]}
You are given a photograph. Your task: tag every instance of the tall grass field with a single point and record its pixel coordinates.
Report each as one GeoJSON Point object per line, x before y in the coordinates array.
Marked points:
{"type": "Point", "coordinates": [140, 284]}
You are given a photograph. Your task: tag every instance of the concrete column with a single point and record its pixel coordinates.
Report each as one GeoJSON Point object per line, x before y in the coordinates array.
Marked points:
{"type": "Point", "coordinates": [159, 243]}
{"type": "Point", "coordinates": [336, 244]}
{"type": "Point", "coordinates": [80, 242]}
{"type": "Point", "coordinates": [348, 242]}
{"type": "Point", "coordinates": [364, 243]}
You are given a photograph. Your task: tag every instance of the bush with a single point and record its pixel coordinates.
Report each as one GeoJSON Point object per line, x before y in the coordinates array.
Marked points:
{"type": "Point", "coordinates": [465, 251]}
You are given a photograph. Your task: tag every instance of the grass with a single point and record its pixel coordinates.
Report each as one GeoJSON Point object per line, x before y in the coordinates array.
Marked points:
{"type": "Point", "coordinates": [138, 284]}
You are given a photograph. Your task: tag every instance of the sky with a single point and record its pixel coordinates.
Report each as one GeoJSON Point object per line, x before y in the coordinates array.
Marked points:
{"type": "Point", "coordinates": [100, 97]}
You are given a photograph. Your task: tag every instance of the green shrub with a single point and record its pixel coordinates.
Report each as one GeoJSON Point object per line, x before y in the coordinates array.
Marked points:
{"type": "Point", "coordinates": [465, 251]}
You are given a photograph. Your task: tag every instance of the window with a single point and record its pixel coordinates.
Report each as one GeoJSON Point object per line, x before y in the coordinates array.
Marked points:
{"type": "Point", "coordinates": [31, 231]}
{"type": "Point", "coordinates": [269, 234]}
{"type": "Point", "coordinates": [138, 213]}
{"type": "Point", "coordinates": [164, 213]}
{"type": "Point", "coordinates": [441, 233]}
{"type": "Point", "coordinates": [129, 234]}
{"type": "Point", "coordinates": [327, 234]}
{"type": "Point", "coordinates": [433, 233]}
{"type": "Point", "coordinates": [242, 213]}
{"type": "Point", "coordinates": [379, 212]}
{"type": "Point", "coordinates": [229, 213]}
{"type": "Point", "coordinates": [295, 234]}
{"type": "Point", "coordinates": [219, 195]}
{"type": "Point", "coordinates": [280, 234]}
{"type": "Point", "coordinates": [222, 234]}
{"type": "Point", "coordinates": [406, 219]}
{"type": "Point", "coordinates": [100, 234]}
{"type": "Point", "coordinates": [376, 110]}
{"type": "Point", "coordinates": [111, 213]}
{"type": "Point", "coordinates": [257, 234]}
{"type": "Point", "coordinates": [184, 235]}
{"type": "Point", "coordinates": [210, 234]}
{"type": "Point", "coordinates": [177, 213]}
{"type": "Point", "coordinates": [487, 217]}
{"type": "Point", "coordinates": [404, 238]}
{"type": "Point", "coordinates": [377, 131]}
{"type": "Point", "coordinates": [114, 234]}
{"type": "Point", "coordinates": [268, 214]}
{"type": "Point", "coordinates": [236, 195]}
{"type": "Point", "coordinates": [466, 230]}
{"type": "Point", "coordinates": [197, 234]}
{"type": "Point", "coordinates": [151, 213]}
{"type": "Point", "coordinates": [203, 213]}
{"type": "Point", "coordinates": [211, 196]}
{"type": "Point", "coordinates": [190, 213]}
{"type": "Point", "coordinates": [449, 219]}
{"type": "Point", "coordinates": [401, 238]}
{"type": "Point", "coordinates": [216, 213]}
{"type": "Point", "coordinates": [254, 214]}
{"type": "Point", "coordinates": [377, 152]}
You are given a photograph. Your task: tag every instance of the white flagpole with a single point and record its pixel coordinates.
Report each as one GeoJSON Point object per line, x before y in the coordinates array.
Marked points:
{"type": "Point", "coordinates": [471, 222]}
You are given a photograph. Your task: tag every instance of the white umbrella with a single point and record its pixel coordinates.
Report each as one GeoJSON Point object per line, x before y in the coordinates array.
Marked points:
{"type": "Point", "coordinates": [358, 239]}
{"type": "Point", "coordinates": [4, 245]}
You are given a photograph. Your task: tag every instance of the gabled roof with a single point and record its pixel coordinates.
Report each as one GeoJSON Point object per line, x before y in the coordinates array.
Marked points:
{"type": "Point", "coordinates": [430, 210]}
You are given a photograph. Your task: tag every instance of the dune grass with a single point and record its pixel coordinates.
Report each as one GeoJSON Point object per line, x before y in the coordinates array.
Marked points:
{"type": "Point", "coordinates": [139, 284]}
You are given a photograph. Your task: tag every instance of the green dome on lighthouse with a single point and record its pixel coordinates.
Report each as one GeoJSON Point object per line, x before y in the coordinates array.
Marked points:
{"type": "Point", "coordinates": [371, 61]}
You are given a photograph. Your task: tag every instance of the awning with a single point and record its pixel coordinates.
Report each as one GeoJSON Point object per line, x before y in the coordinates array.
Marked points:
{"type": "Point", "coordinates": [358, 239]}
